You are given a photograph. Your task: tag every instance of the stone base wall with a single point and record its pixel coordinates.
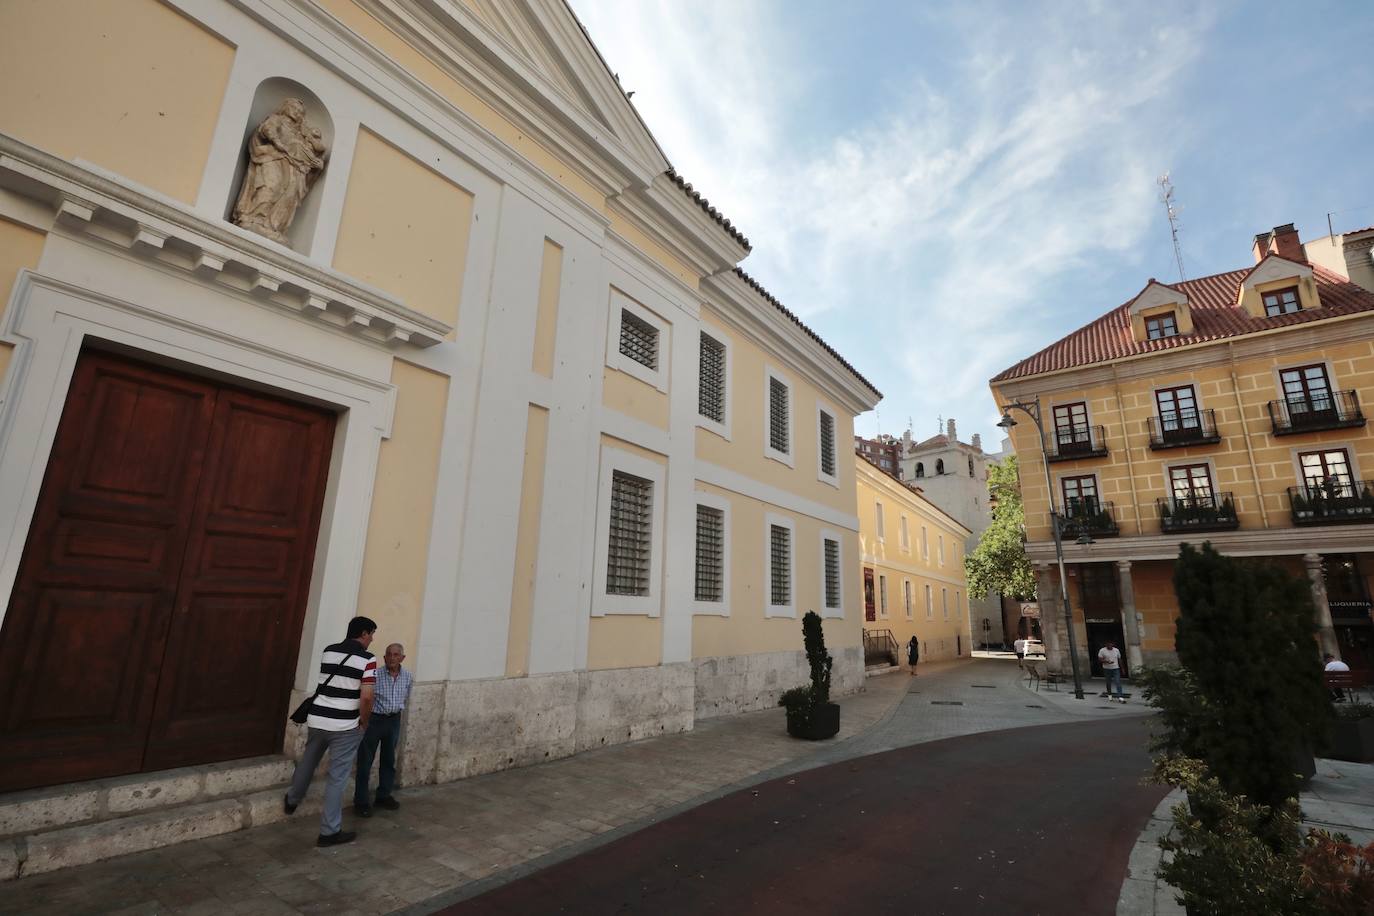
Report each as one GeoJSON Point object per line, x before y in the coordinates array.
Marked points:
{"type": "Point", "coordinates": [729, 684]}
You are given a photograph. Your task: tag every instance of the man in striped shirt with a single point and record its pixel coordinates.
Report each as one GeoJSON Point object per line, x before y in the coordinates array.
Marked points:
{"type": "Point", "coordinates": [338, 719]}
{"type": "Point", "coordinates": [384, 730]}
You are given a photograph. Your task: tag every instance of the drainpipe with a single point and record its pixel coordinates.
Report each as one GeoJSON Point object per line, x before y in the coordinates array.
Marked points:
{"type": "Point", "coordinates": [1130, 469]}
{"type": "Point", "coordinates": [1245, 431]}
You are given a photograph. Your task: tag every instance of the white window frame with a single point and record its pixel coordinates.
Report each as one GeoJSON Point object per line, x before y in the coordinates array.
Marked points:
{"type": "Point", "coordinates": [904, 535]}
{"type": "Point", "coordinates": [879, 521]}
{"type": "Point", "coordinates": [930, 602]}
{"type": "Point", "coordinates": [789, 457]}
{"type": "Point", "coordinates": [882, 596]}
{"type": "Point", "coordinates": [769, 608]}
{"type": "Point", "coordinates": [944, 601]}
{"type": "Point", "coordinates": [650, 605]}
{"type": "Point", "coordinates": [713, 608]}
{"type": "Point", "coordinates": [942, 549]}
{"type": "Point", "coordinates": [619, 361]}
{"type": "Point", "coordinates": [832, 479]}
{"type": "Point", "coordinates": [906, 599]}
{"type": "Point", "coordinates": [828, 535]}
{"type": "Point", "coordinates": [958, 605]}
{"type": "Point", "coordinates": [721, 429]}
{"type": "Point", "coordinates": [925, 543]}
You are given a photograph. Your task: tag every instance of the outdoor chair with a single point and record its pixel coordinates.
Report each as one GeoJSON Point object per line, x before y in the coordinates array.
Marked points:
{"type": "Point", "coordinates": [1035, 673]}
{"type": "Point", "coordinates": [1352, 683]}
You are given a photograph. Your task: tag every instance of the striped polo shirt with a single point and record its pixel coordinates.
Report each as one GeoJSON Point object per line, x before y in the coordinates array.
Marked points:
{"type": "Point", "coordinates": [336, 705]}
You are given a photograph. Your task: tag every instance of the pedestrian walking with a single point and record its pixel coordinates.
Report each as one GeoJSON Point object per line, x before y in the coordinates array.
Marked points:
{"type": "Point", "coordinates": [384, 731]}
{"type": "Point", "coordinates": [1335, 664]}
{"type": "Point", "coordinates": [1109, 656]}
{"type": "Point", "coordinates": [913, 654]}
{"type": "Point", "coordinates": [1020, 646]}
{"type": "Point", "coordinates": [338, 717]}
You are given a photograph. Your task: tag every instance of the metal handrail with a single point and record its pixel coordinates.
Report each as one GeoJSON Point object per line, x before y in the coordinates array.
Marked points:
{"type": "Point", "coordinates": [1198, 512]}
{"type": "Point", "coordinates": [1176, 428]}
{"type": "Point", "coordinates": [1069, 442]}
{"type": "Point", "coordinates": [1305, 413]}
{"type": "Point", "coordinates": [1333, 501]}
{"type": "Point", "coordinates": [1088, 515]}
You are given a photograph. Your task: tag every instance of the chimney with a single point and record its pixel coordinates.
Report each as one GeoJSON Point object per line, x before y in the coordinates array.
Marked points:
{"type": "Point", "coordinates": [1260, 247]}
{"type": "Point", "coordinates": [952, 436]}
{"type": "Point", "coordinates": [1282, 241]}
{"type": "Point", "coordinates": [978, 441]}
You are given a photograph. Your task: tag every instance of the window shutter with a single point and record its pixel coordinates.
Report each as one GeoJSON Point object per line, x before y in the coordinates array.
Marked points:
{"type": "Point", "coordinates": [780, 550]}
{"type": "Point", "coordinates": [827, 444]}
{"type": "Point", "coordinates": [631, 533]}
{"type": "Point", "coordinates": [638, 339]}
{"type": "Point", "coordinates": [710, 554]}
{"type": "Point", "coordinates": [711, 396]}
{"type": "Point", "coordinates": [832, 573]}
{"type": "Point", "coordinates": [777, 416]}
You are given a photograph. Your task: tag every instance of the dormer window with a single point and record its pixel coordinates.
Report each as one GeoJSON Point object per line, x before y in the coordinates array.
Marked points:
{"type": "Point", "coordinates": [1160, 326]}
{"type": "Point", "coordinates": [1281, 301]}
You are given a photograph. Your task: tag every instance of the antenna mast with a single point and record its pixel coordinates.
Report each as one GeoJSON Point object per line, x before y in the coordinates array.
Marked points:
{"type": "Point", "coordinates": [1166, 197]}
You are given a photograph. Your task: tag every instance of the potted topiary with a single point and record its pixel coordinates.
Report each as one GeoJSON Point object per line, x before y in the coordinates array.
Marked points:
{"type": "Point", "coordinates": [810, 714]}
{"type": "Point", "coordinates": [1352, 733]}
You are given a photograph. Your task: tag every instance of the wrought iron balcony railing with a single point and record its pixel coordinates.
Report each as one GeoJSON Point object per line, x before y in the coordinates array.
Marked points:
{"type": "Point", "coordinates": [1069, 442]}
{"type": "Point", "coordinates": [1175, 429]}
{"type": "Point", "coordinates": [1333, 502]}
{"type": "Point", "coordinates": [1198, 512]}
{"type": "Point", "coordinates": [1088, 516]}
{"type": "Point", "coordinates": [1329, 410]}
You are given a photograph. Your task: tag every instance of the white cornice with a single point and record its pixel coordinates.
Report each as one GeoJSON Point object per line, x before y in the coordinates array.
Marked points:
{"type": "Point", "coordinates": [759, 320]}
{"type": "Point", "coordinates": [673, 220]}
{"type": "Point", "coordinates": [1262, 542]}
{"type": "Point", "coordinates": [916, 501]}
{"type": "Point", "coordinates": [104, 207]}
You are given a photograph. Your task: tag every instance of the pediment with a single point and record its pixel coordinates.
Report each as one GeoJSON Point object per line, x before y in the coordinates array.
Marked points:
{"type": "Point", "coordinates": [1156, 294]}
{"type": "Point", "coordinates": [1273, 268]}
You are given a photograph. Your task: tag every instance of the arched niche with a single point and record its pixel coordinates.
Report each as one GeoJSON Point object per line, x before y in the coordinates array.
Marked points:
{"type": "Point", "coordinates": [268, 97]}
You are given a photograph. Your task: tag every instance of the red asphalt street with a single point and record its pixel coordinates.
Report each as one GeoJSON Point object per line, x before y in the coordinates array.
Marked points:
{"type": "Point", "coordinates": [1036, 820]}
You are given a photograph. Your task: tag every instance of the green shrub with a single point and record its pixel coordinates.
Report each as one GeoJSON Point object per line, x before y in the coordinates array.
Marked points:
{"type": "Point", "coordinates": [1355, 711]}
{"type": "Point", "coordinates": [801, 702]}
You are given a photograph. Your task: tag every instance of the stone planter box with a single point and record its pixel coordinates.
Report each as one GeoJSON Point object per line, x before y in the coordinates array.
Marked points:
{"type": "Point", "coordinates": [824, 723]}
{"type": "Point", "coordinates": [1352, 739]}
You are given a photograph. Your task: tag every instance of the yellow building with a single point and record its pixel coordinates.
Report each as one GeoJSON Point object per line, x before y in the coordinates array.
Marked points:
{"type": "Point", "coordinates": [485, 369]}
{"type": "Point", "coordinates": [912, 567]}
{"type": "Point", "coordinates": [1226, 409]}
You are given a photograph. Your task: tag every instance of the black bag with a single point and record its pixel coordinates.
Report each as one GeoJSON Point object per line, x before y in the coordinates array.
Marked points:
{"type": "Point", "coordinates": [302, 712]}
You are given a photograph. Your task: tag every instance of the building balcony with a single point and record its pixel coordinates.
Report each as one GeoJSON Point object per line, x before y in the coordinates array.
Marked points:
{"type": "Point", "coordinates": [1335, 502]}
{"type": "Point", "coordinates": [1197, 512]}
{"type": "Point", "coordinates": [1332, 410]}
{"type": "Point", "coordinates": [1068, 443]}
{"type": "Point", "coordinates": [1088, 516]}
{"type": "Point", "coordinates": [1177, 429]}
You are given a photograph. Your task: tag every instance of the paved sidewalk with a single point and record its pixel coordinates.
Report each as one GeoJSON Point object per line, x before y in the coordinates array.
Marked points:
{"type": "Point", "coordinates": [476, 833]}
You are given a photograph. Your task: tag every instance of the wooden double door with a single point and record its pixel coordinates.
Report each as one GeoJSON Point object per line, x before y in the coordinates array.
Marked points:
{"type": "Point", "coordinates": [157, 614]}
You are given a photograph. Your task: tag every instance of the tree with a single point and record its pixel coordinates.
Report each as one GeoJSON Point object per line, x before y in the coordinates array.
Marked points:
{"type": "Point", "coordinates": [1244, 633]}
{"type": "Point", "coordinates": [999, 563]}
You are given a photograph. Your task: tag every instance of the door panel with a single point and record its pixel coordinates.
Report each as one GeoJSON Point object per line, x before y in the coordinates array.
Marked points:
{"type": "Point", "coordinates": [236, 629]}
{"type": "Point", "coordinates": [87, 621]}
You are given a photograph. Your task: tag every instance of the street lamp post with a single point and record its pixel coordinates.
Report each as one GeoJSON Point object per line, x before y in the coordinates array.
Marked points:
{"type": "Point", "coordinates": [1032, 409]}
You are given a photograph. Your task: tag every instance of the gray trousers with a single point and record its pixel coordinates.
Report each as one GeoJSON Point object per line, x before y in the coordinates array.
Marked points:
{"type": "Point", "coordinates": [343, 748]}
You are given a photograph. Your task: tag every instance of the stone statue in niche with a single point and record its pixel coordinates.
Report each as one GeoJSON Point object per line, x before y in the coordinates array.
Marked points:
{"type": "Point", "coordinates": [285, 156]}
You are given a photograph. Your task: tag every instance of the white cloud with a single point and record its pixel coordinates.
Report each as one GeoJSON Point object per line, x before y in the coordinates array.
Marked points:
{"type": "Point", "coordinates": [930, 239]}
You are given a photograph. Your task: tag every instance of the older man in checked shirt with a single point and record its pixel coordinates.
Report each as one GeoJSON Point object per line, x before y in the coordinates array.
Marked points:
{"type": "Point", "coordinates": [384, 728]}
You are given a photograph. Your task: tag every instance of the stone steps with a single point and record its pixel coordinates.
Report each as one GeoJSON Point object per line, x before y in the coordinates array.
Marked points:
{"type": "Point", "coordinates": [42, 830]}
{"type": "Point", "coordinates": [876, 670]}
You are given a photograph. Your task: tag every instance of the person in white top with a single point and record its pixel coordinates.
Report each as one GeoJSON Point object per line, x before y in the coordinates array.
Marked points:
{"type": "Point", "coordinates": [1109, 656]}
{"type": "Point", "coordinates": [1020, 646]}
{"type": "Point", "coordinates": [1335, 664]}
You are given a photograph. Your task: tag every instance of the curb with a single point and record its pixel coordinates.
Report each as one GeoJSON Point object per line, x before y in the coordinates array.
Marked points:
{"type": "Point", "coordinates": [1144, 893]}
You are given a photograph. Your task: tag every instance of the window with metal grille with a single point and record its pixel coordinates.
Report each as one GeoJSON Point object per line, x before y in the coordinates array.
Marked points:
{"type": "Point", "coordinates": [711, 392]}
{"type": "Point", "coordinates": [780, 566]}
{"type": "Point", "coordinates": [777, 416]}
{"type": "Point", "coordinates": [827, 444]}
{"type": "Point", "coordinates": [882, 596]}
{"type": "Point", "coordinates": [638, 339]}
{"type": "Point", "coordinates": [710, 554]}
{"type": "Point", "coordinates": [906, 596]}
{"type": "Point", "coordinates": [832, 573]}
{"type": "Point", "coordinates": [631, 533]}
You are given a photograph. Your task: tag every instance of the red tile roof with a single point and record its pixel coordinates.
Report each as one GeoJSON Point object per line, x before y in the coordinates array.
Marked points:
{"type": "Point", "coordinates": [1212, 301]}
{"type": "Point", "coordinates": [700, 200]}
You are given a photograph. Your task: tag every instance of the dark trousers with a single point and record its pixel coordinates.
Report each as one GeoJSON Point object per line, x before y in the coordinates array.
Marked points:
{"type": "Point", "coordinates": [384, 731]}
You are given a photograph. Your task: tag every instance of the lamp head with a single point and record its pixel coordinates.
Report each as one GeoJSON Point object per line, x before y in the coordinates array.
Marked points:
{"type": "Point", "coordinates": [1006, 422]}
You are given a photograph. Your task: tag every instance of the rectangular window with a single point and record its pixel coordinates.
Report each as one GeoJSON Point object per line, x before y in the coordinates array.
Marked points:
{"type": "Point", "coordinates": [906, 597]}
{"type": "Point", "coordinates": [711, 391]}
{"type": "Point", "coordinates": [925, 544]}
{"type": "Point", "coordinates": [1158, 326]}
{"type": "Point", "coordinates": [826, 433]}
{"type": "Point", "coordinates": [1071, 425]}
{"type": "Point", "coordinates": [1327, 472]}
{"type": "Point", "coordinates": [930, 604]}
{"type": "Point", "coordinates": [942, 550]}
{"type": "Point", "coordinates": [1080, 494]}
{"type": "Point", "coordinates": [1281, 301]}
{"type": "Point", "coordinates": [904, 539]}
{"type": "Point", "coordinates": [882, 596]}
{"type": "Point", "coordinates": [832, 573]}
{"type": "Point", "coordinates": [1177, 409]}
{"type": "Point", "coordinates": [1306, 388]}
{"type": "Point", "coordinates": [958, 605]}
{"type": "Point", "coordinates": [779, 429]}
{"type": "Point", "coordinates": [631, 533]}
{"type": "Point", "coordinates": [638, 340]}
{"type": "Point", "coordinates": [710, 582]}
{"type": "Point", "coordinates": [944, 601]}
{"type": "Point", "coordinates": [878, 515]}
{"type": "Point", "coordinates": [1191, 484]}
{"type": "Point", "coordinates": [780, 566]}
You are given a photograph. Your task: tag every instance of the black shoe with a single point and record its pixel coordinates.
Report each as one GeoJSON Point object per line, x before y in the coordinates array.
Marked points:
{"type": "Point", "coordinates": [389, 803]}
{"type": "Point", "coordinates": [336, 839]}
{"type": "Point", "coordinates": [286, 805]}
{"type": "Point", "coordinates": [362, 812]}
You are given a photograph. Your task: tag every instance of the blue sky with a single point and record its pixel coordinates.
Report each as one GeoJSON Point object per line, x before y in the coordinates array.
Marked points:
{"type": "Point", "coordinates": [941, 190]}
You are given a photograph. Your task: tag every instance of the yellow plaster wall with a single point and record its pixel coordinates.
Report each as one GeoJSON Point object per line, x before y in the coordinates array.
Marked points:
{"type": "Point", "coordinates": [402, 506]}
{"type": "Point", "coordinates": [527, 541]}
{"type": "Point", "coordinates": [1251, 297]}
{"type": "Point", "coordinates": [656, 252]}
{"type": "Point", "coordinates": [747, 630]}
{"type": "Point", "coordinates": [743, 453]}
{"type": "Point", "coordinates": [404, 229]}
{"type": "Point", "coordinates": [626, 394]}
{"type": "Point", "coordinates": [940, 638]}
{"type": "Point", "coordinates": [131, 86]}
{"type": "Point", "coordinates": [20, 248]}
{"type": "Point", "coordinates": [425, 70]}
{"type": "Point", "coordinates": [546, 316]}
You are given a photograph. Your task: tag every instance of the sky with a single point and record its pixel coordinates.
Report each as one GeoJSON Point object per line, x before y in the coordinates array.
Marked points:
{"type": "Point", "coordinates": [942, 189]}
